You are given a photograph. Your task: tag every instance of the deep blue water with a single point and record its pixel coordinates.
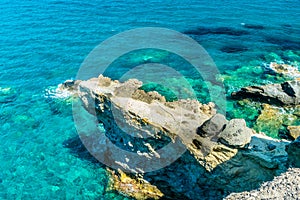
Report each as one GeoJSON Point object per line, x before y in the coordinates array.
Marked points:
{"type": "Point", "coordinates": [43, 43]}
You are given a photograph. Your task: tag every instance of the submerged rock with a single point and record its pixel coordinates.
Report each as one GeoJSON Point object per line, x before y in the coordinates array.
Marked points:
{"type": "Point", "coordinates": [270, 120]}
{"type": "Point", "coordinates": [217, 31]}
{"type": "Point", "coordinates": [283, 69]}
{"type": "Point", "coordinates": [253, 26]}
{"type": "Point", "coordinates": [8, 94]}
{"type": "Point", "coordinates": [135, 187]}
{"type": "Point", "coordinates": [234, 48]}
{"type": "Point", "coordinates": [287, 93]}
{"type": "Point", "coordinates": [283, 42]}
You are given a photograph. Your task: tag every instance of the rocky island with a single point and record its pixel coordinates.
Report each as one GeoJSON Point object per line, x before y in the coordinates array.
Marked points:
{"type": "Point", "coordinates": [213, 157]}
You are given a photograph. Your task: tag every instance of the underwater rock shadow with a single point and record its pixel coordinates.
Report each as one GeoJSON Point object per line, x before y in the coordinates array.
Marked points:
{"type": "Point", "coordinates": [234, 48]}
{"type": "Point", "coordinates": [216, 31]}
{"type": "Point", "coordinates": [283, 43]}
{"type": "Point", "coordinates": [78, 149]}
{"type": "Point", "coordinates": [253, 26]}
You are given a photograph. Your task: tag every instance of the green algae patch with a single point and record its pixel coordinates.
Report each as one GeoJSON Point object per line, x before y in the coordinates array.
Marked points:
{"type": "Point", "coordinates": [269, 121]}
{"type": "Point", "coordinates": [273, 120]}
{"type": "Point", "coordinates": [244, 109]}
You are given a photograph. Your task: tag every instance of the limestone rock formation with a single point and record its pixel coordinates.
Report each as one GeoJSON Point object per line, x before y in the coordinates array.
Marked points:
{"type": "Point", "coordinates": [222, 156]}
{"type": "Point", "coordinates": [287, 93]}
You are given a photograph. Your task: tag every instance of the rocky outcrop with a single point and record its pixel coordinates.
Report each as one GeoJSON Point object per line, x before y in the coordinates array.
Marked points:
{"type": "Point", "coordinates": [283, 69]}
{"type": "Point", "coordinates": [287, 93]}
{"type": "Point", "coordinates": [222, 156]}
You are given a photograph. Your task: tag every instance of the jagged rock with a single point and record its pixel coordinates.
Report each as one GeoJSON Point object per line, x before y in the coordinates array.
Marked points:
{"type": "Point", "coordinates": [104, 81]}
{"type": "Point", "coordinates": [213, 126]}
{"type": "Point", "coordinates": [294, 131]}
{"type": "Point", "coordinates": [135, 187]}
{"type": "Point", "coordinates": [287, 93]}
{"type": "Point", "coordinates": [236, 133]}
{"type": "Point", "coordinates": [124, 108]}
{"type": "Point", "coordinates": [293, 150]}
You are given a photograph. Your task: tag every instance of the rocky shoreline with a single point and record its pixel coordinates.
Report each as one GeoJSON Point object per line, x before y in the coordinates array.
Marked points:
{"type": "Point", "coordinates": [222, 156]}
{"type": "Point", "coordinates": [284, 186]}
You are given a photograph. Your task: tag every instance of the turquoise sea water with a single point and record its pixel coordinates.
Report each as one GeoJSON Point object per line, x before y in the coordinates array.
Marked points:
{"type": "Point", "coordinates": [43, 43]}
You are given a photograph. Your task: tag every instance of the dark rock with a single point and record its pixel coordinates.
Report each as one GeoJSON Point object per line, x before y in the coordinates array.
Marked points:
{"type": "Point", "coordinates": [213, 126]}
{"type": "Point", "coordinates": [70, 85]}
{"type": "Point", "coordinates": [216, 31]}
{"type": "Point", "coordinates": [283, 43]}
{"type": "Point", "coordinates": [291, 88]}
{"type": "Point", "coordinates": [254, 26]}
{"type": "Point", "coordinates": [236, 134]}
{"type": "Point", "coordinates": [287, 93]}
{"type": "Point", "coordinates": [229, 31]}
{"type": "Point", "coordinates": [234, 48]}
{"type": "Point", "coordinates": [293, 150]}
{"type": "Point", "coordinates": [271, 147]}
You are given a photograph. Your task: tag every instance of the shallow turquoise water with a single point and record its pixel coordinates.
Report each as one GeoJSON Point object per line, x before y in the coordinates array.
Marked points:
{"type": "Point", "coordinates": [44, 43]}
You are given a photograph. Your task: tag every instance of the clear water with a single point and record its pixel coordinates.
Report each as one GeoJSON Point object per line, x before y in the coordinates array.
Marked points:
{"type": "Point", "coordinates": [42, 43]}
